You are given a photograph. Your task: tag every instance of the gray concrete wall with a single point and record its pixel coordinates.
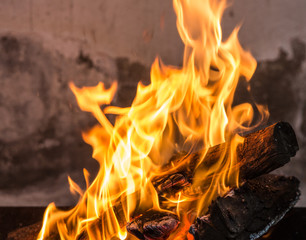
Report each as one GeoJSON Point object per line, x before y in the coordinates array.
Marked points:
{"type": "Point", "coordinates": [46, 44]}
{"type": "Point", "coordinates": [141, 29]}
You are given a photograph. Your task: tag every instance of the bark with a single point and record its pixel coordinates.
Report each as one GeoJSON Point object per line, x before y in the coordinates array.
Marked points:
{"type": "Point", "coordinates": [30, 233]}
{"type": "Point", "coordinates": [249, 211]}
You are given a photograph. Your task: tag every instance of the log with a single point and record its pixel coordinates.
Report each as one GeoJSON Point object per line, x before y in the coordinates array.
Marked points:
{"type": "Point", "coordinates": [30, 233]}
{"type": "Point", "coordinates": [25, 233]}
{"type": "Point", "coordinates": [249, 211]}
{"type": "Point", "coordinates": [261, 152]}
{"type": "Point", "coordinates": [153, 225]}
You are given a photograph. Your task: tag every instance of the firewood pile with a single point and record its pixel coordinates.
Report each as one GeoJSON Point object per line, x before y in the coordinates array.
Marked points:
{"type": "Point", "coordinates": [244, 212]}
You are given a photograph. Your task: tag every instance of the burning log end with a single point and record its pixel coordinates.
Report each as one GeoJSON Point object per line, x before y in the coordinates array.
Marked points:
{"type": "Point", "coordinates": [175, 182]}
{"type": "Point", "coordinates": [249, 211]}
{"type": "Point", "coordinates": [266, 150]}
{"type": "Point", "coordinates": [284, 133]}
{"type": "Point", "coordinates": [153, 225]}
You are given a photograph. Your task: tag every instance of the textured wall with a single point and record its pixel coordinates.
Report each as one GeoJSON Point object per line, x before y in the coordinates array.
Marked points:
{"type": "Point", "coordinates": [141, 29]}
{"type": "Point", "coordinates": [40, 122]}
{"type": "Point", "coordinates": [46, 44]}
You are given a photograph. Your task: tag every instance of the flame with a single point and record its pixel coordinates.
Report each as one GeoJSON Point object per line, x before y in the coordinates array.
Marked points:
{"type": "Point", "coordinates": [182, 109]}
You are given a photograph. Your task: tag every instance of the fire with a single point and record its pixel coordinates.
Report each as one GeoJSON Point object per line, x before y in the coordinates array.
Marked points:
{"type": "Point", "coordinates": [182, 109]}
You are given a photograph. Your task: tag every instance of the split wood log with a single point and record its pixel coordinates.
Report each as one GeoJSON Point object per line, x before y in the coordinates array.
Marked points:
{"type": "Point", "coordinates": [261, 152]}
{"type": "Point", "coordinates": [153, 225]}
{"type": "Point", "coordinates": [249, 211]}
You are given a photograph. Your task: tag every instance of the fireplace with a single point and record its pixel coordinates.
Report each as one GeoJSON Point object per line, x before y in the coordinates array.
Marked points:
{"type": "Point", "coordinates": [186, 159]}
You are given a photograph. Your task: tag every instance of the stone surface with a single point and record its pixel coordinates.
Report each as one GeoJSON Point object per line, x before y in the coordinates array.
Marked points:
{"type": "Point", "coordinates": [140, 30]}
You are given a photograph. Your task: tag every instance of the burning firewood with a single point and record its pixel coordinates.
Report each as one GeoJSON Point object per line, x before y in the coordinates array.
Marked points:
{"type": "Point", "coordinates": [153, 225]}
{"type": "Point", "coordinates": [249, 211]}
{"type": "Point", "coordinates": [262, 152]}
{"type": "Point", "coordinates": [246, 211]}
{"type": "Point", "coordinates": [29, 233]}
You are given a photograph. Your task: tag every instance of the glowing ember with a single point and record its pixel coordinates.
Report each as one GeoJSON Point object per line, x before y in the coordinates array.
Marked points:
{"type": "Point", "coordinates": [182, 109]}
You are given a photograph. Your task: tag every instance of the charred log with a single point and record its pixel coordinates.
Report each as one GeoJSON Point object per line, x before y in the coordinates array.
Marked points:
{"type": "Point", "coordinates": [153, 225]}
{"type": "Point", "coordinates": [30, 233]}
{"type": "Point", "coordinates": [261, 152]}
{"type": "Point", "coordinates": [249, 211]}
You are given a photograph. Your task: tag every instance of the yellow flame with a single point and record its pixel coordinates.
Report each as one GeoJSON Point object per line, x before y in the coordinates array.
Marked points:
{"type": "Point", "coordinates": [180, 110]}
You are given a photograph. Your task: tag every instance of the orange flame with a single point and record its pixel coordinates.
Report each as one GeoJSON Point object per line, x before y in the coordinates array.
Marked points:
{"type": "Point", "coordinates": [182, 109]}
